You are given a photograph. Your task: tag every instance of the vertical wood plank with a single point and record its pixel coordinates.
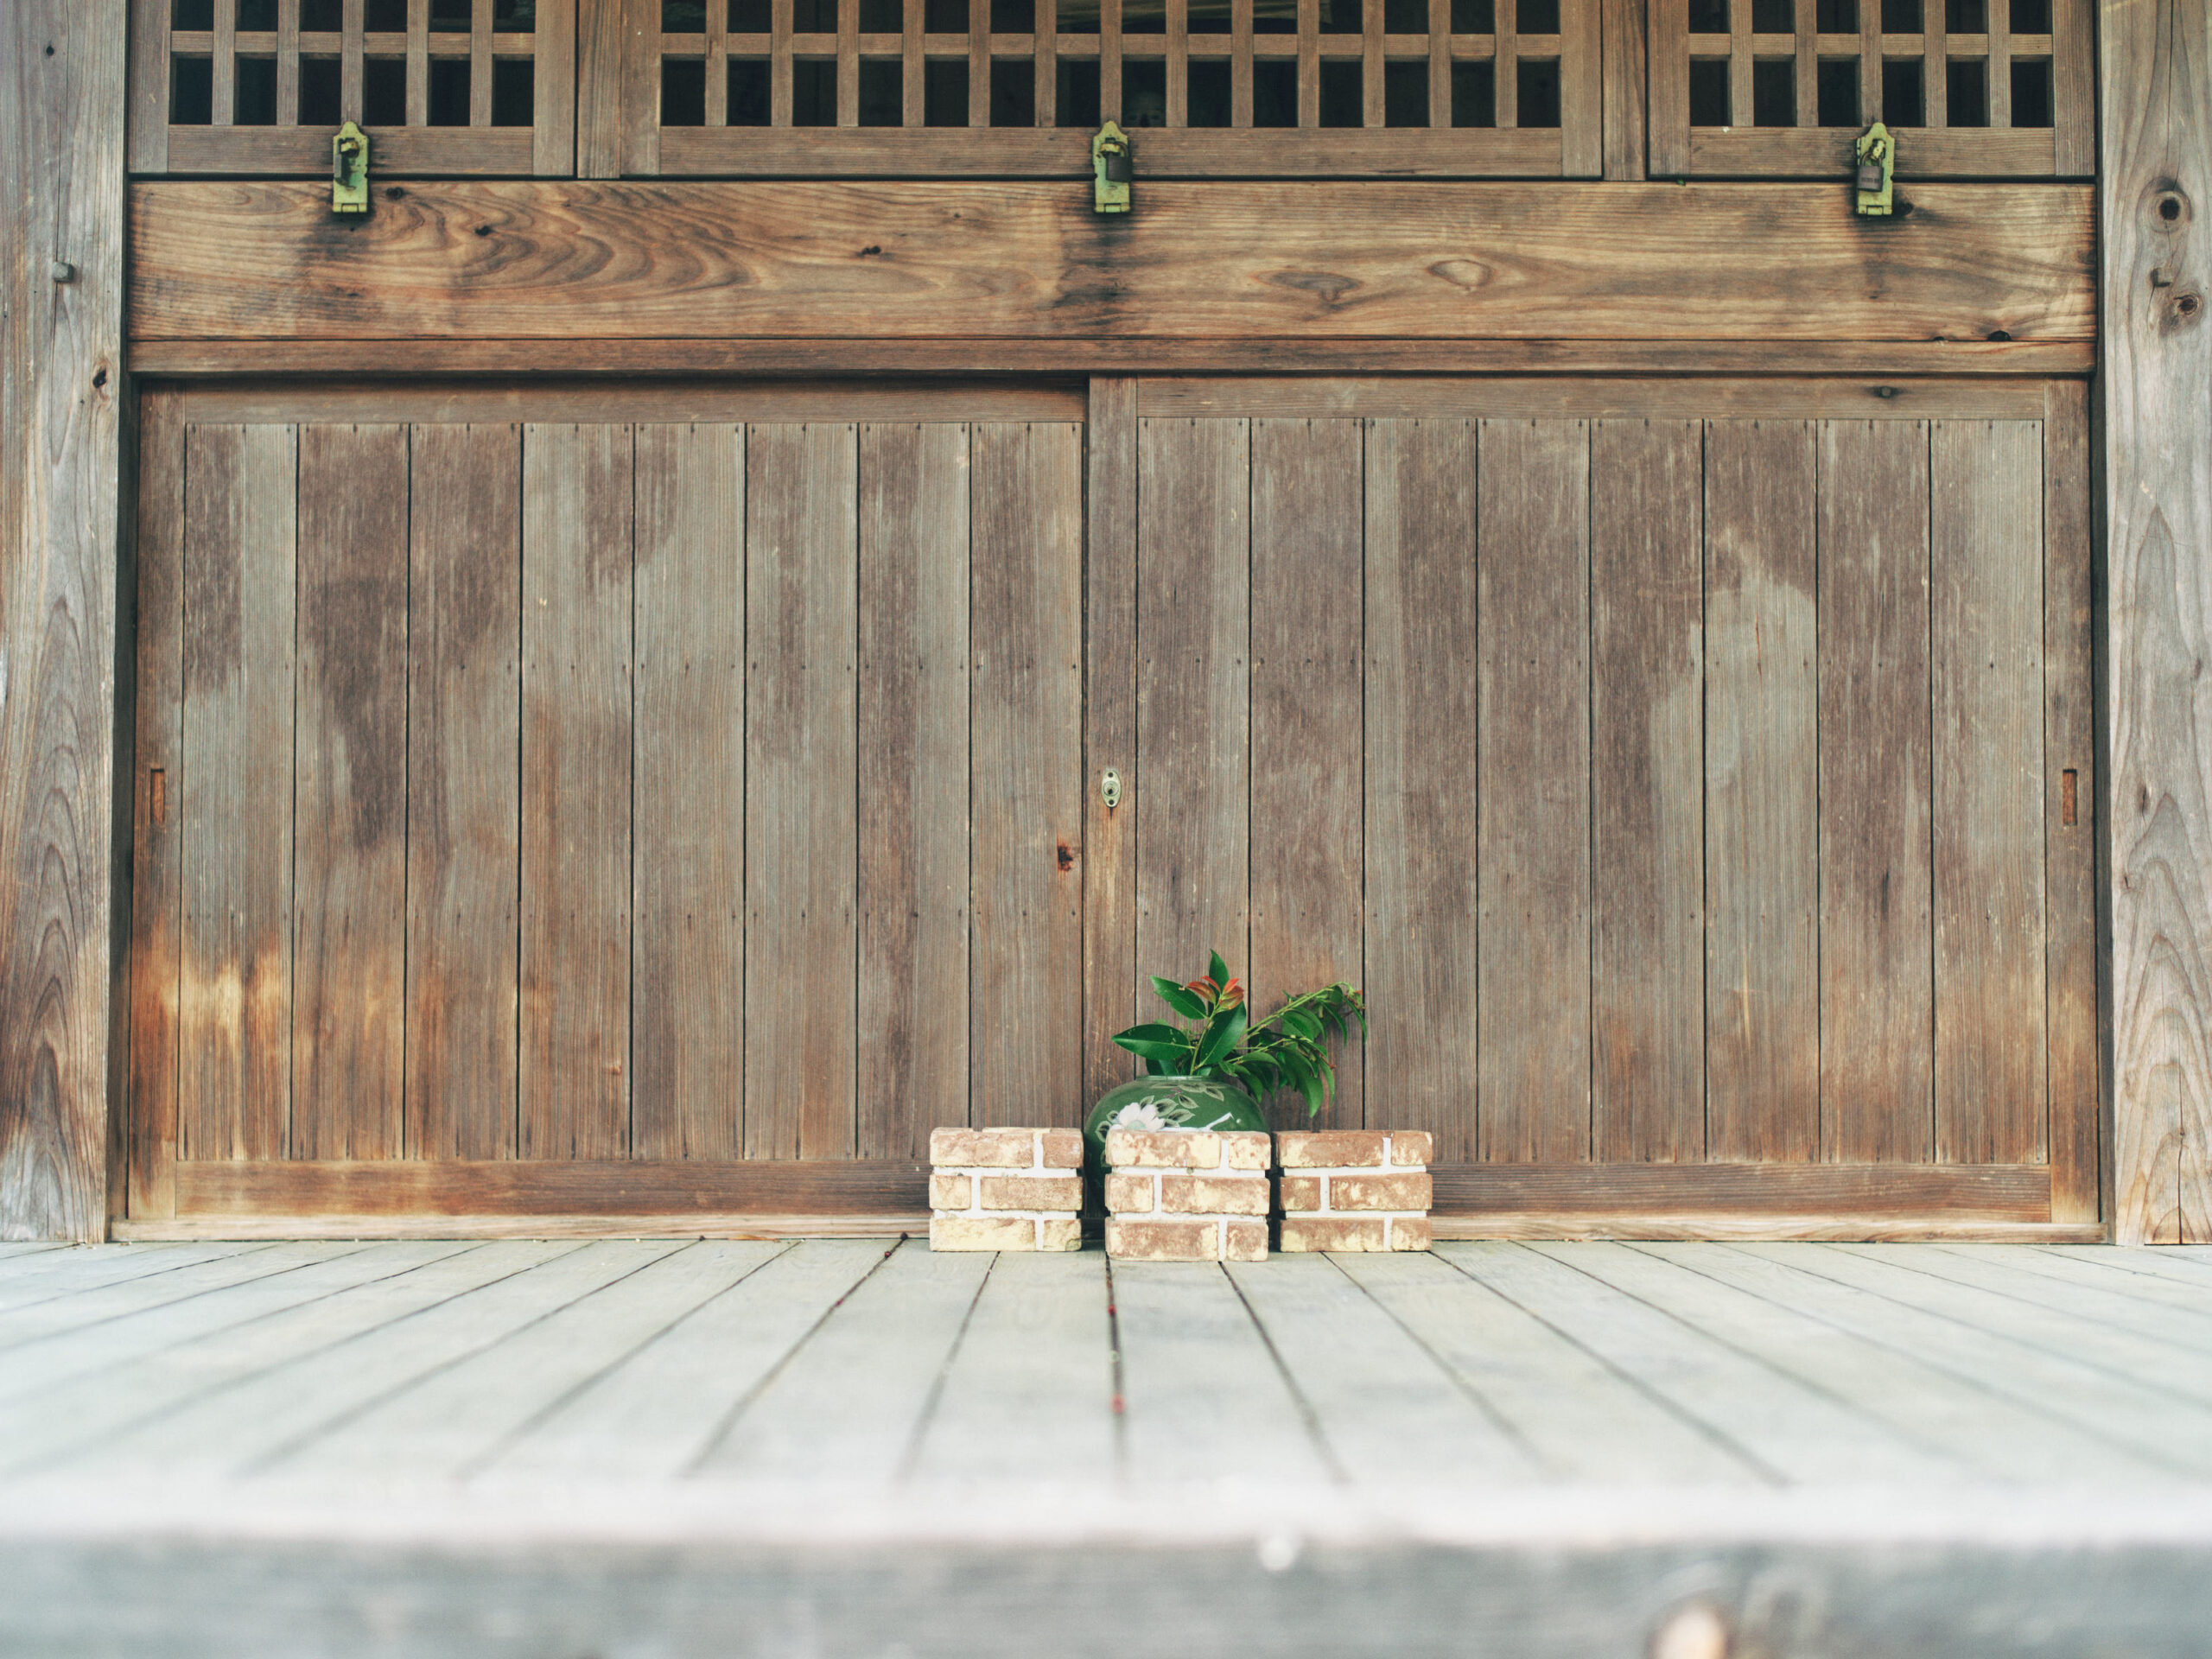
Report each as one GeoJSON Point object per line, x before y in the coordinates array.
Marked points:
{"type": "Point", "coordinates": [1026, 1045]}
{"type": "Point", "coordinates": [287, 63]}
{"type": "Point", "coordinates": [2070, 792]}
{"type": "Point", "coordinates": [235, 984]}
{"type": "Point", "coordinates": [418, 63]}
{"type": "Point", "coordinates": [1370, 63]}
{"type": "Point", "coordinates": [1422, 703]}
{"type": "Point", "coordinates": [350, 20]}
{"type": "Point", "coordinates": [1762, 784]}
{"type": "Point", "coordinates": [1622, 76]}
{"type": "Point", "coordinates": [349, 808]}
{"type": "Point", "coordinates": [913, 89]}
{"type": "Point", "coordinates": [1647, 790]}
{"type": "Point", "coordinates": [480, 63]}
{"type": "Point", "coordinates": [640, 123]}
{"type": "Point", "coordinates": [1109, 706]}
{"type": "Point", "coordinates": [1309, 62]}
{"type": "Point", "coordinates": [464, 765]}
{"type": "Point", "coordinates": [576, 691]}
{"type": "Point", "coordinates": [2074, 89]}
{"type": "Point", "coordinates": [686, 1001]}
{"type": "Point", "coordinates": [156, 885]}
{"type": "Point", "coordinates": [1308, 681]}
{"type": "Point", "coordinates": [1670, 83]}
{"type": "Point", "coordinates": [148, 143]}
{"type": "Point", "coordinates": [61, 392]}
{"type": "Point", "coordinates": [914, 784]}
{"type": "Point", "coordinates": [802, 944]}
{"type": "Point", "coordinates": [2156, 150]}
{"type": "Point", "coordinates": [1193, 697]}
{"type": "Point", "coordinates": [602, 60]}
{"type": "Point", "coordinates": [1986, 534]}
{"type": "Point", "coordinates": [1581, 90]}
{"type": "Point", "coordinates": [1535, 759]}
{"type": "Point", "coordinates": [1876, 998]}
{"type": "Point", "coordinates": [979, 63]}
{"type": "Point", "coordinates": [554, 89]}
{"type": "Point", "coordinates": [848, 64]}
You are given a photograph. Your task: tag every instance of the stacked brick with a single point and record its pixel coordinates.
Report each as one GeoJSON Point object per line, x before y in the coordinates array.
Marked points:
{"type": "Point", "coordinates": [1355, 1189]}
{"type": "Point", "coordinates": [1187, 1195]}
{"type": "Point", "coordinates": [1006, 1189]}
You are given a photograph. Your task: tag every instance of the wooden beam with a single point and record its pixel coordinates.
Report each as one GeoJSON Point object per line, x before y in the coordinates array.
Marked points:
{"type": "Point", "coordinates": [468, 259]}
{"type": "Point", "coordinates": [62, 112]}
{"type": "Point", "coordinates": [2157, 473]}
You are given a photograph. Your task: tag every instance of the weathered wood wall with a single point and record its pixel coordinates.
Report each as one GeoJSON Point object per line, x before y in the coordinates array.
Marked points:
{"type": "Point", "coordinates": [62, 403]}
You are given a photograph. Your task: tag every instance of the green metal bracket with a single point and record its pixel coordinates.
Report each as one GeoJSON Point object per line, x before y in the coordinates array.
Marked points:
{"type": "Point", "coordinates": [1876, 155]}
{"type": "Point", "coordinates": [1113, 166]}
{"type": "Point", "coordinates": [349, 170]}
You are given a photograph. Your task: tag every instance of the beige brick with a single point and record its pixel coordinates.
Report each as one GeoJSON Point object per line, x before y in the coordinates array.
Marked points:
{"type": "Point", "coordinates": [1032, 1191]}
{"type": "Point", "coordinates": [950, 1192]}
{"type": "Point", "coordinates": [1163, 1241]}
{"type": "Point", "coordinates": [1063, 1148]}
{"type": "Point", "coordinates": [982, 1233]}
{"type": "Point", "coordinates": [1300, 1192]}
{"type": "Point", "coordinates": [1244, 1241]}
{"type": "Point", "coordinates": [1407, 1191]}
{"type": "Point", "coordinates": [1329, 1149]}
{"type": "Point", "coordinates": [1213, 1195]}
{"type": "Point", "coordinates": [1063, 1233]}
{"type": "Point", "coordinates": [1247, 1149]}
{"type": "Point", "coordinates": [1332, 1233]}
{"type": "Point", "coordinates": [983, 1148]}
{"type": "Point", "coordinates": [1130, 1194]}
{"type": "Point", "coordinates": [1163, 1149]}
{"type": "Point", "coordinates": [1412, 1147]}
{"type": "Point", "coordinates": [1411, 1233]}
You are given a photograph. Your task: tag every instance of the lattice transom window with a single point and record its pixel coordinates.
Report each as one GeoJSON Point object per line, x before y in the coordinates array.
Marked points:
{"type": "Point", "coordinates": [442, 86]}
{"type": "Point", "coordinates": [1207, 87]}
{"type": "Point", "coordinates": [1782, 86]}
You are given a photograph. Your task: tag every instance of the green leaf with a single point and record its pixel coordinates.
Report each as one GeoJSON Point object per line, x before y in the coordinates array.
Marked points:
{"type": "Point", "coordinates": [1184, 1000]}
{"type": "Point", "coordinates": [1218, 968]}
{"type": "Point", "coordinates": [1162, 1043]}
{"type": "Point", "coordinates": [1222, 1035]}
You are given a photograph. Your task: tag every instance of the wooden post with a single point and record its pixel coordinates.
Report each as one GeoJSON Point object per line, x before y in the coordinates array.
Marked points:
{"type": "Point", "coordinates": [2157, 155]}
{"type": "Point", "coordinates": [61, 130]}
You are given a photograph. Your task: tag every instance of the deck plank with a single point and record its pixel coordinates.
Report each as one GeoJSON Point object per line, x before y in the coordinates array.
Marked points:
{"type": "Point", "coordinates": [462, 1415]}
{"type": "Point", "coordinates": [16, 1249]}
{"type": "Point", "coordinates": [1030, 1393]}
{"type": "Point", "coordinates": [1582, 1416]}
{"type": "Point", "coordinates": [849, 1403]}
{"type": "Point", "coordinates": [88, 1267]}
{"type": "Point", "coordinates": [2183, 1263]}
{"type": "Point", "coordinates": [655, 1414]}
{"type": "Point", "coordinates": [1386, 1411]}
{"type": "Point", "coordinates": [2152, 1308]}
{"type": "Point", "coordinates": [1795, 1432]}
{"type": "Point", "coordinates": [1203, 1399]}
{"type": "Point", "coordinates": [117, 1301]}
{"type": "Point", "coordinates": [1947, 1410]}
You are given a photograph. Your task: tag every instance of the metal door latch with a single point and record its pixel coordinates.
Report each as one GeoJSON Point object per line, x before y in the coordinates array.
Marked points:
{"type": "Point", "coordinates": [1110, 788]}
{"type": "Point", "coordinates": [1113, 166]}
{"type": "Point", "coordinates": [349, 170]}
{"type": "Point", "coordinates": [1876, 154]}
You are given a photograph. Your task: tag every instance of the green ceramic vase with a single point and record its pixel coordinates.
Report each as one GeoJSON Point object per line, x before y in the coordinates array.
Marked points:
{"type": "Point", "coordinates": [1168, 1104]}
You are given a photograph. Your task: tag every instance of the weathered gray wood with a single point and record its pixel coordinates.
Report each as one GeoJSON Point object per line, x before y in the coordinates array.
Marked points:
{"type": "Point", "coordinates": [1386, 1411]}
{"type": "Point", "coordinates": [914, 808]}
{"type": "Point", "coordinates": [1204, 1399]}
{"type": "Point", "coordinates": [1878, 1010]}
{"type": "Point", "coordinates": [1110, 861]}
{"type": "Point", "coordinates": [687, 870]}
{"type": "Point", "coordinates": [1761, 785]}
{"type": "Point", "coordinates": [21, 1249]}
{"type": "Point", "coordinates": [801, 940]}
{"type": "Point", "coordinates": [1647, 787]}
{"type": "Point", "coordinates": [1423, 792]}
{"type": "Point", "coordinates": [464, 758]}
{"type": "Point", "coordinates": [86, 1266]}
{"type": "Point", "coordinates": [2152, 1308]}
{"type": "Point", "coordinates": [1029, 1392]}
{"type": "Point", "coordinates": [577, 607]}
{"type": "Point", "coordinates": [849, 1404]}
{"type": "Point", "coordinates": [2184, 1264]}
{"type": "Point", "coordinates": [42, 1322]}
{"type": "Point", "coordinates": [1025, 953]}
{"type": "Point", "coordinates": [1534, 1103]}
{"type": "Point", "coordinates": [349, 805]}
{"type": "Point", "coordinates": [655, 1414]}
{"type": "Point", "coordinates": [1580, 1417]}
{"type": "Point", "coordinates": [2156, 156]}
{"type": "Point", "coordinates": [1193, 697]}
{"type": "Point", "coordinates": [234, 1000]}
{"type": "Point", "coordinates": [1308, 683]}
{"type": "Point", "coordinates": [1986, 530]}
{"type": "Point", "coordinates": [1789, 1430]}
{"type": "Point", "coordinates": [61, 391]}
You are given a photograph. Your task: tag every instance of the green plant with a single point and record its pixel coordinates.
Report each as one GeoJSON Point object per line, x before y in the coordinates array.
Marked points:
{"type": "Point", "coordinates": [1286, 1049]}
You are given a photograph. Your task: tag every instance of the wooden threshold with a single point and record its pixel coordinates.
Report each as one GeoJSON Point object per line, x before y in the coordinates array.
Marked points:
{"type": "Point", "coordinates": [1919, 1193]}
{"type": "Point", "coordinates": [661, 1225]}
{"type": "Point", "coordinates": [354, 361]}
{"type": "Point", "coordinates": [577, 1189]}
{"type": "Point", "coordinates": [256, 402]}
{"type": "Point", "coordinates": [1981, 397]}
{"type": "Point", "coordinates": [1739, 1226]}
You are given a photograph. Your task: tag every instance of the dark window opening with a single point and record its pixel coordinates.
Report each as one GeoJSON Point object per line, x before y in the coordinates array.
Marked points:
{"type": "Point", "coordinates": [1405, 17]}
{"type": "Point", "coordinates": [749, 101]}
{"type": "Point", "coordinates": [945, 16]}
{"type": "Point", "coordinates": [683, 91]}
{"type": "Point", "coordinates": [514, 91]}
{"type": "Point", "coordinates": [1013, 92]}
{"type": "Point", "coordinates": [192, 92]}
{"type": "Point", "coordinates": [255, 15]}
{"type": "Point", "coordinates": [1773, 17]}
{"type": "Point", "coordinates": [1144, 92]}
{"type": "Point", "coordinates": [1901, 16]}
{"type": "Point", "coordinates": [1836, 16]}
{"type": "Point", "coordinates": [452, 17]}
{"type": "Point", "coordinates": [944, 93]}
{"type": "Point", "coordinates": [449, 91]}
{"type": "Point", "coordinates": [1013, 17]}
{"type": "Point", "coordinates": [1144, 16]}
{"type": "Point", "coordinates": [1965, 99]}
{"type": "Point", "coordinates": [1405, 94]}
{"type": "Point", "coordinates": [383, 93]}
{"type": "Point", "coordinates": [1340, 92]}
{"type": "Point", "coordinates": [1708, 16]}
{"type": "Point", "coordinates": [1200, 17]}
{"type": "Point", "coordinates": [1905, 101]}
{"type": "Point", "coordinates": [1274, 93]}
{"type": "Point", "coordinates": [1537, 85]}
{"type": "Point", "coordinates": [882, 16]}
{"type": "Point", "coordinates": [883, 93]}
{"type": "Point", "coordinates": [1075, 100]}
{"type": "Point", "coordinates": [2030, 16]}
{"type": "Point", "coordinates": [1536, 16]}
{"type": "Point", "coordinates": [814, 92]}
{"type": "Point", "coordinates": [319, 92]}
{"type": "Point", "coordinates": [1206, 89]}
{"type": "Point", "coordinates": [197, 15]}
{"type": "Point", "coordinates": [683, 16]}
{"type": "Point", "coordinates": [323, 16]}
{"type": "Point", "coordinates": [514, 16]}
{"type": "Point", "coordinates": [1474, 94]}
{"type": "Point", "coordinates": [1709, 92]}
{"type": "Point", "coordinates": [1473, 17]}
{"type": "Point", "coordinates": [1836, 83]}
{"type": "Point", "coordinates": [2031, 100]}
{"type": "Point", "coordinates": [1967, 17]}
{"type": "Point", "coordinates": [253, 96]}
{"type": "Point", "coordinates": [1341, 16]}
{"type": "Point", "coordinates": [1774, 93]}
{"type": "Point", "coordinates": [385, 16]}
{"type": "Point", "coordinates": [749, 18]}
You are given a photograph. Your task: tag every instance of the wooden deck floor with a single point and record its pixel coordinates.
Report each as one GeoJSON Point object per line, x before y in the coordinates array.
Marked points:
{"type": "Point", "coordinates": [837, 1446]}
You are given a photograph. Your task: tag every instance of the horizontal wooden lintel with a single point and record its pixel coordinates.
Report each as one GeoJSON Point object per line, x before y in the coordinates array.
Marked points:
{"type": "Point", "coordinates": [1920, 1192]}
{"type": "Point", "coordinates": [551, 1187]}
{"type": "Point", "coordinates": [446, 261]}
